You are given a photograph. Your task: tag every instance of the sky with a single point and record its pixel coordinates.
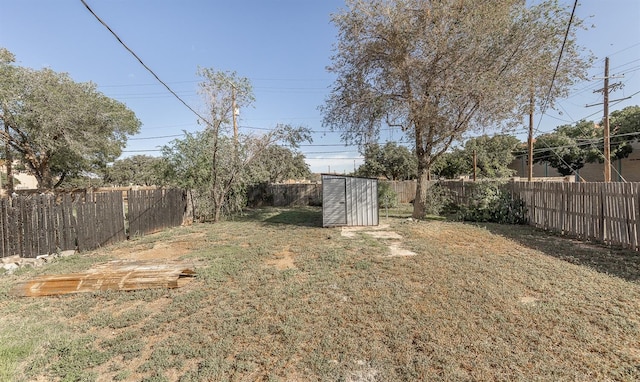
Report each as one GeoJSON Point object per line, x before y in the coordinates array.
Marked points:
{"type": "Point", "coordinates": [282, 46]}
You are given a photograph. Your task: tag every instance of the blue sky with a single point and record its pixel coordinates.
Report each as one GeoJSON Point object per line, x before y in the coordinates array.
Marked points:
{"type": "Point", "coordinates": [282, 46]}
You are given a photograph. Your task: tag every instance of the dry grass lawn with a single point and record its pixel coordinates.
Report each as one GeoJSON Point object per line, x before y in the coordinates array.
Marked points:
{"type": "Point", "coordinates": [278, 298]}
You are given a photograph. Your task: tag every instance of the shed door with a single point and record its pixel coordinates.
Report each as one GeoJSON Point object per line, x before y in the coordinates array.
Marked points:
{"type": "Point", "coordinates": [334, 200]}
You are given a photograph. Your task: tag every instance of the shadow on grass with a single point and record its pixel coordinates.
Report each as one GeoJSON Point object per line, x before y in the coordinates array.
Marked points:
{"type": "Point", "coordinates": [299, 216]}
{"type": "Point", "coordinates": [614, 261]}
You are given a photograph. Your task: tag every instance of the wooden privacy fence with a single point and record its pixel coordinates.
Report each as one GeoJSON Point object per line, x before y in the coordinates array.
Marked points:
{"type": "Point", "coordinates": [606, 212]}
{"type": "Point", "coordinates": [405, 190]}
{"type": "Point", "coordinates": [154, 210]}
{"type": "Point", "coordinates": [34, 225]}
{"type": "Point", "coordinates": [310, 194]}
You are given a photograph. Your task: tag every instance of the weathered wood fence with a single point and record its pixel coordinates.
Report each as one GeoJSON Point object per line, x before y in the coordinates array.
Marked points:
{"type": "Point", "coordinates": [605, 212]}
{"type": "Point", "coordinates": [34, 225]}
{"type": "Point", "coordinates": [405, 190]}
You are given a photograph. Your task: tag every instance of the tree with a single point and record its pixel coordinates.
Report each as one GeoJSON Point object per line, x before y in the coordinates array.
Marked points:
{"type": "Point", "coordinates": [6, 74]}
{"type": "Point", "coordinates": [568, 147]}
{"type": "Point", "coordinates": [625, 130]}
{"type": "Point", "coordinates": [212, 160]}
{"type": "Point", "coordinates": [392, 161]}
{"type": "Point", "coordinates": [451, 164]}
{"type": "Point", "coordinates": [494, 154]}
{"type": "Point", "coordinates": [59, 127]}
{"type": "Point", "coordinates": [143, 170]}
{"type": "Point", "coordinates": [438, 69]}
{"type": "Point", "coordinates": [188, 163]}
{"type": "Point", "coordinates": [277, 164]}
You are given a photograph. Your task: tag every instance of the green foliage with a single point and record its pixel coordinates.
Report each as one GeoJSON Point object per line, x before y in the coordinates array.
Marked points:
{"type": "Point", "coordinates": [277, 164]}
{"type": "Point", "coordinates": [219, 167]}
{"type": "Point", "coordinates": [59, 127]}
{"type": "Point", "coordinates": [569, 147]}
{"type": "Point", "coordinates": [625, 129]}
{"type": "Point", "coordinates": [387, 197]}
{"type": "Point", "coordinates": [494, 154]}
{"type": "Point", "coordinates": [451, 165]}
{"type": "Point", "coordinates": [492, 202]}
{"type": "Point", "coordinates": [392, 161]}
{"type": "Point", "coordinates": [435, 70]}
{"type": "Point", "coordinates": [437, 199]}
{"type": "Point", "coordinates": [141, 170]}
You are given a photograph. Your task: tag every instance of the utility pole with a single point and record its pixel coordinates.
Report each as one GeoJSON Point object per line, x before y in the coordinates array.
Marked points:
{"type": "Point", "coordinates": [235, 114]}
{"type": "Point", "coordinates": [607, 143]}
{"type": "Point", "coordinates": [605, 127]}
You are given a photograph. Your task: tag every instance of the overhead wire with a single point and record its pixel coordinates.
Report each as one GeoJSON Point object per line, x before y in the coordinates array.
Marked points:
{"type": "Point", "coordinates": [142, 63]}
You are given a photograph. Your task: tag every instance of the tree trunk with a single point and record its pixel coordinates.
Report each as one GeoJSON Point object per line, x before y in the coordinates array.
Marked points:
{"type": "Point", "coordinates": [45, 180]}
{"type": "Point", "coordinates": [9, 164]}
{"type": "Point", "coordinates": [422, 187]}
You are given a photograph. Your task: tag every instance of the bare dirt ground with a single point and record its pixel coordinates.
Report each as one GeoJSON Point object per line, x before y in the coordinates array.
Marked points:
{"type": "Point", "coordinates": [171, 249]}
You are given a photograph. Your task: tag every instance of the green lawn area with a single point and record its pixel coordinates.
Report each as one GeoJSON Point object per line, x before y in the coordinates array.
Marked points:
{"type": "Point", "coordinates": [279, 298]}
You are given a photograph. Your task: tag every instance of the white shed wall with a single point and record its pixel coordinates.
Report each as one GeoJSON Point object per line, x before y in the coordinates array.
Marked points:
{"type": "Point", "coordinates": [360, 204]}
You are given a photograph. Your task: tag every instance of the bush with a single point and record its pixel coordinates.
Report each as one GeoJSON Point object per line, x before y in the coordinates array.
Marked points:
{"type": "Point", "coordinates": [492, 202]}
{"type": "Point", "coordinates": [387, 197]}
{"type": "Point", "coordinates": [437, 199]}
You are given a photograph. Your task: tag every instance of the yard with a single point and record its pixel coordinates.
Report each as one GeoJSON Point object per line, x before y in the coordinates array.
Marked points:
{"type": "Point", "coordinates": [278, 298]}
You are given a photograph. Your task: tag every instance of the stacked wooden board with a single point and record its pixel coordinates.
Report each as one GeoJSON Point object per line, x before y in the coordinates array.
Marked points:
{"type": "Point", "coordinates": [123, 275]}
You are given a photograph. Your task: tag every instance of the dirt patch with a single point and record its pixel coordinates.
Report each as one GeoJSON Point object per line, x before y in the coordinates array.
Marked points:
{"type": "Point", "coordinates": [166, 250]}
{"type": "Point", "coordinates": [381, 232]}
{"type": "Point", "coordinates": [283, 260]}
{"type": "Point", "coordinates": [397, 250]}
{"type": "Point", "coordinates": [353, 231]}
{"type": "Point", "coordinates": [528, 300]}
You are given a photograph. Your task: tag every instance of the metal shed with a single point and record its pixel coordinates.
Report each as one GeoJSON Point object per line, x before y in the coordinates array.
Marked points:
{"type": "Point", "coordinates": [349, 201]}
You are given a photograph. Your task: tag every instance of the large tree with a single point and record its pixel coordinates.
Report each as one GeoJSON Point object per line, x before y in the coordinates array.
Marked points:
{"type": "Point", "coordinates": [435, 69]}
{"type": "Point", "coordinates": [493, 154]}
{"type": "Point", "coordinates": [625, 129]}
{"type": "Point", "coordinates": [59, 127]}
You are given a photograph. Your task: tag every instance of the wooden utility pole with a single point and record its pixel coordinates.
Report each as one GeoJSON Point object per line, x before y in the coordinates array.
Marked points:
{"type": "Point", "coordinates": [235, 114]}
{"type": "Point", "coordinates": [605, 123]}
{"type": "Point", "coordinates": [530, 140]}
{"type": "Point", "coordinates": [607, 147]}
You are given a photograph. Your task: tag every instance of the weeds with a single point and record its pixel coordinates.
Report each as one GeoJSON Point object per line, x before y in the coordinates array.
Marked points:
{"type": "Point", "coordinates": [473, 304]}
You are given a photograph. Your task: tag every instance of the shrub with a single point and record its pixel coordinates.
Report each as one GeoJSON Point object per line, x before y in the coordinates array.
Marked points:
{"type": "Point", "coordinates": [437, 199]}
{"type": "Point", "coordinates": [492, 202]}
{"type": "Point", "coordinates": [387, 197]}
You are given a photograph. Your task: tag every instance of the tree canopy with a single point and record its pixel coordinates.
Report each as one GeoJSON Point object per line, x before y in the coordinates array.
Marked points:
{"type": "Point", "coordinates": [391, 161]}
{"type": "Point", "coordinates": [141, 170]}
{"type": "Point", "coordinates": [436, 69]}
{"type": "Point", "coordinates": [569, 147]}
{"type": "Point", "coordinates": [60, 127]}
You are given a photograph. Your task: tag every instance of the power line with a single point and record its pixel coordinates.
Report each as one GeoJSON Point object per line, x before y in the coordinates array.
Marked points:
{"type": "Point", "coordinates": [142, 63]}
